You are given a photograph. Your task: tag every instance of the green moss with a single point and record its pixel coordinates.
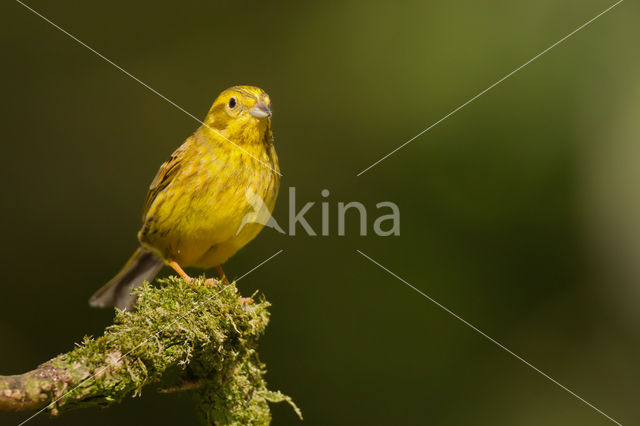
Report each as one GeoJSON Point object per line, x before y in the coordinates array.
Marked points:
{"type": "Point", "coordinates": [204, 332]}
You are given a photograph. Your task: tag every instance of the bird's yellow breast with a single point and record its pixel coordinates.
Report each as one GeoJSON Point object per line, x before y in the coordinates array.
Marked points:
{"type": "Point", "coordinates": [195, 218]}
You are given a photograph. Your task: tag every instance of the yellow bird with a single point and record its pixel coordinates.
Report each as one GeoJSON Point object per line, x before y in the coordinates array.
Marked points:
{"type": "Point", "coordinates": [194, 210]}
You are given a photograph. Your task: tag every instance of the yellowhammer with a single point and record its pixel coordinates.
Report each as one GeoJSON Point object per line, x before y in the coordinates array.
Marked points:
{"type": "Point", "coordinates": [197, 201]}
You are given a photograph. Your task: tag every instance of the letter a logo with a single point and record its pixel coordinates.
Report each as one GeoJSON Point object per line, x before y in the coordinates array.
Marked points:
{"type": "Point", "coordinates": [260, 213]}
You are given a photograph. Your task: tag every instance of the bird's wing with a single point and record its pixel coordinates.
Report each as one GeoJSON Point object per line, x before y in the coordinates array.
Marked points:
{"type": "Point", "coordinates": [163, 178]}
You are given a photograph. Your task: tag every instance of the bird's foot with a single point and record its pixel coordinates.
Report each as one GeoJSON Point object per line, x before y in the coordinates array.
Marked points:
{"type": "Point", "coordinates": [246, 301]}
{"type": "Point", "coordinates": [212, 282]}
{"type": "Point", "coordinates": [209, 282]}
{"type": "Point", "coordinates": [191, 282]}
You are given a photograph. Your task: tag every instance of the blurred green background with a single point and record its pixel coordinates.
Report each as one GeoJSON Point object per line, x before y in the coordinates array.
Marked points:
{"type": "Point", "coordinates": [519, 213]}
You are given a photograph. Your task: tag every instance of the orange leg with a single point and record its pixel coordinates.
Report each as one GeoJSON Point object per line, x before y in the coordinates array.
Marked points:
{"type": "Point", "coordinates": [223, 277]}
{"type": "Point", "coordinates": [187, 278]}
{"type": "Point", "coordinates": [180, 271]}
{"type": "Point", "coordinates": [242, 300]}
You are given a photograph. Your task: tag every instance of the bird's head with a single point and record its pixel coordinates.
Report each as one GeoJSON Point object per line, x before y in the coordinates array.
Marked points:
{"type": "Point", "coordinates": [240, 111]}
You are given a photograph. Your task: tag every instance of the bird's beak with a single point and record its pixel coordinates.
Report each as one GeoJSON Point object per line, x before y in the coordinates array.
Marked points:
{"type": "Point", "coordinates": [260, 110]}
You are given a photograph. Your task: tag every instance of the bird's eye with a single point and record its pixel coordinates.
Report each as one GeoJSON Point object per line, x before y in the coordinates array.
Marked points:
{"type": "Point", "coordinates": [232, 103]}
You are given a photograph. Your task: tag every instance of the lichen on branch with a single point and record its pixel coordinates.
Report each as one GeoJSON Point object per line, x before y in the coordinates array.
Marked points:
{"type": "Point", "coordinates": [204, 333]}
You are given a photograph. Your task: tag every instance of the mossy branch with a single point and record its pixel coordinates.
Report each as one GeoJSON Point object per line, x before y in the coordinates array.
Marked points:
{"type": "Point", "coordinates": [203, 333]}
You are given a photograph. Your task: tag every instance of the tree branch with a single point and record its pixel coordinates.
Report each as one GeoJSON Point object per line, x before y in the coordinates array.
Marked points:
{"type": "Point", "coordinates": [204, 334]}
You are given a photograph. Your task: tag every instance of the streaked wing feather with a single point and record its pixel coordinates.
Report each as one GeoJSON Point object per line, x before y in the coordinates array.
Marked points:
{"type": "Point", "coordinates": [163, 177]}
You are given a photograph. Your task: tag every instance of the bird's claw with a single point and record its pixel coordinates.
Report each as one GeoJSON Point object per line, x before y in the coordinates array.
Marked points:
{"type": "Point", "coordinates": [212, 282]}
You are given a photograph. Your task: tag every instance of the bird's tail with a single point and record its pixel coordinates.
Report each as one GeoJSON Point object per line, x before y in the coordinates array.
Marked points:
{"type": "Point", "coordinates": [143, 265]}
